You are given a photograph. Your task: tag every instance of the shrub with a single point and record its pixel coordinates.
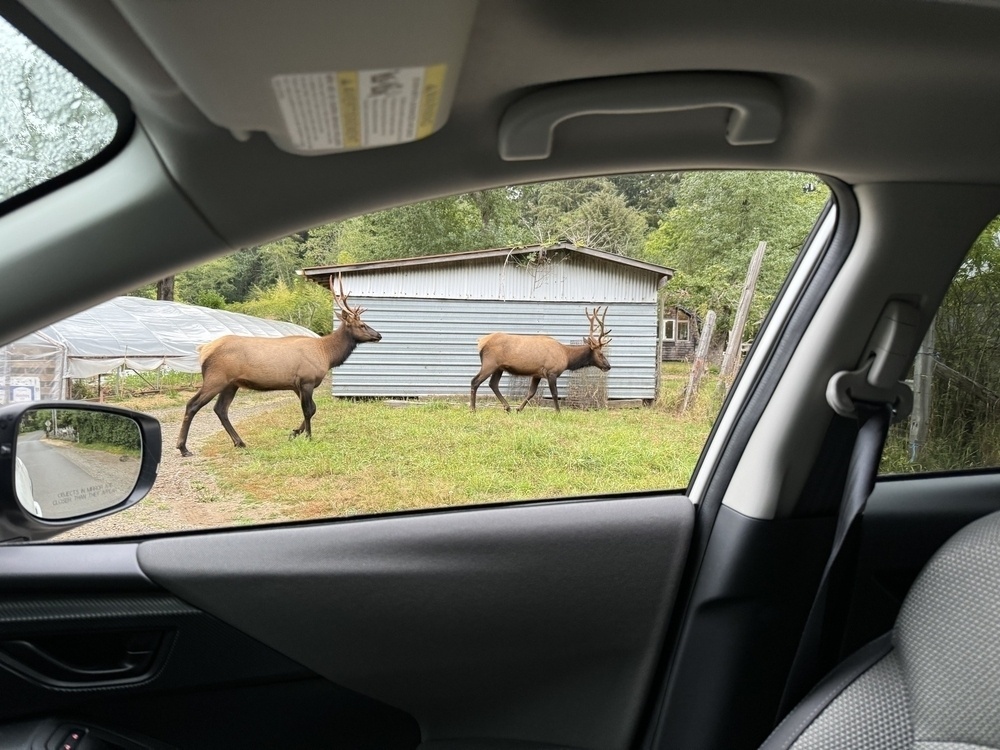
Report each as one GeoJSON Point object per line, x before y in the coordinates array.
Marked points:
{"type": "Point", "coordinates": [99, 427]}
{"type": "Point", "coordinates": [301, 302]}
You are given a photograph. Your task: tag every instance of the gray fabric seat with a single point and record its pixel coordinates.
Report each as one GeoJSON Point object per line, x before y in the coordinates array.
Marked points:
{"type": "Point", "coordinates": [931, 684]}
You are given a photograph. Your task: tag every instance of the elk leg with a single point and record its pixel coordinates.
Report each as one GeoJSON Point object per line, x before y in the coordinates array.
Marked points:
{"type": "Point", "coordinates": [198, 400]}
{"type": "Point", "coordinates": [222, 411]}
{"type": "Point", "coordinates": [531, 392]}
{"type": "Point", "coordinates": [476, 382]}
{"type": "Point", "coordinates": [308, 410]}
{"type": "Point", "coordinates": [301, 428]}
{"type": "Point", "coordinates": [495, 385]}
{"type": "Point", "coordinates": [553, 391]}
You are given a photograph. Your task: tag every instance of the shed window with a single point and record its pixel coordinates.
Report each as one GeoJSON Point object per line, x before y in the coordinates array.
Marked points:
{"type": "Point", "coordinates": [683, 330]}
{"type": "Point", "coordinates": [668, 329]}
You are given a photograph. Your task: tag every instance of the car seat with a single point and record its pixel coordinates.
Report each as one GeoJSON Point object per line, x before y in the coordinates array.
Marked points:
{"type": "Point", "coordinates": [933, 682]}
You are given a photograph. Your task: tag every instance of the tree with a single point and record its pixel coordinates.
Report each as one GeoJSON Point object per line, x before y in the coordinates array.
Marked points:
{"type": "Point", "coordinates": [301, 302]}
{"type": "Point", "coordinates": [238, 276]}
{"type": "Point", "coordinates": [465, 222]}
{"type": "Point", "coordinates": [652, 195]}
{"type": "Point", "coordinates": [165, 289]}
{"type": "Point", "coordinates": [588, 212]}
{"type": "Point", "coordinates": [711, 232]}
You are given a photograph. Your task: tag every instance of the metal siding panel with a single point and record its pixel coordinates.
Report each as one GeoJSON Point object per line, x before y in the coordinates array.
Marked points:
{"type": "Point", "coordinates": [576, 278]}
{"type": "Point", "coordinates": [429, 347]}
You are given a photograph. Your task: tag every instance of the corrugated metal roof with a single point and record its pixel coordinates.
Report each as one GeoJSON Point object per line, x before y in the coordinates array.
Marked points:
{"type": "Point", "coordinates": [321, 273]}
{"type": "Point", "coordinates": [561, 276]}
{"type": "Point", "coordinates": [429, 346]}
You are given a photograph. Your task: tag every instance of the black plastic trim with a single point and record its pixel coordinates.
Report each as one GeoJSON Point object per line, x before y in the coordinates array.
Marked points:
{"type": "Point", "coordinates": [50, 733]}
{"type": "Point", "coordinates": [117, 102]}
{"type": "Point", "coordinates": [98, 568]}
{"type": "Point", "coordinates": [757, 581]}
{"type": "Point", "coordinates": [410, 513]}
{"type": "Point", "coordinates": [939, 474]}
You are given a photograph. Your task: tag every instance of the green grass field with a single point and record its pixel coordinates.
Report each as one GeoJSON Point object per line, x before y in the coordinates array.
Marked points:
{"type": "Point", "coordinates": [368, 457]}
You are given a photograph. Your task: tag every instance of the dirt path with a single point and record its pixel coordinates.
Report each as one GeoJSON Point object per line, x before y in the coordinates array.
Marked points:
{"type": "Point", "coordinates": [186, 495]}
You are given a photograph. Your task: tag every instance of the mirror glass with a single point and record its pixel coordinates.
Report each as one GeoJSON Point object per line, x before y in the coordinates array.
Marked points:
{"type": "Point", "coordinates": [71, 461]}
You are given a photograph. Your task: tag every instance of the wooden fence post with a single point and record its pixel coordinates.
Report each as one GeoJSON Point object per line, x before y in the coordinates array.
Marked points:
{"type": "Point", "coordinates": [731, 360]}
{"type": "Point", "coordinates": [700, 357]}
{"type": "Point", "coordinates": [923, 386]}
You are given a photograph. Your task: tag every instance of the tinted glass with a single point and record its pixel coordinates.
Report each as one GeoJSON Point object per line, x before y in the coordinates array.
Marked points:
{"type": "Point", "coordinates": [955, 422]}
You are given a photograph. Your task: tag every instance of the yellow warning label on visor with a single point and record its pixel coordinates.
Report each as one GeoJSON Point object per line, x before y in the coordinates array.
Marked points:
{"type": "Point", "coordinates": [359, 109]}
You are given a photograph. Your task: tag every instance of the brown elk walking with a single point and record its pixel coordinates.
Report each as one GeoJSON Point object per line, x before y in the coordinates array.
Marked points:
{"type": "Point", "coordinates": [539, 357]}
{"type": "Point", "coordinates": [289, 363]}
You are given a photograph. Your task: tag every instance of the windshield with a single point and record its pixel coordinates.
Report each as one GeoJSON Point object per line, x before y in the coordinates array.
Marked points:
{"type": "Point", "coordinates": [50, 122]}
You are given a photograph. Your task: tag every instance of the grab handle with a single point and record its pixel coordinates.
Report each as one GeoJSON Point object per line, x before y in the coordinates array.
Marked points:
{"type": "Point", "coordinates": [527, 127]}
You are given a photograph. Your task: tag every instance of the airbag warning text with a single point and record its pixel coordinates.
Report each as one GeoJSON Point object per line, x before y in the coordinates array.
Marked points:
{"type": "Point", "coordinates": [359, 109]}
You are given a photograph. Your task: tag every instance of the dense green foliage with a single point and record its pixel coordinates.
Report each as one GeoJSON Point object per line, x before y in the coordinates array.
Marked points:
{"type": "Point", "coordinates": [704, 224]}
{"type": "Point", "coordinates": [301, 302]}
{"type": "Point", "coordinates": [106, 429]}
{"type": "Point", "coordinates": [713, 229]}
{"type": "Point", "coordinates": [92, 427]}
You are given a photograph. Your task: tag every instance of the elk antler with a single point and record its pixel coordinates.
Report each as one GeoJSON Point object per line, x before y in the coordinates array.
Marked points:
{"type": "Point", "coordinates": [341, 298]}
{"type": "Point", "coordinates": [599, 337]}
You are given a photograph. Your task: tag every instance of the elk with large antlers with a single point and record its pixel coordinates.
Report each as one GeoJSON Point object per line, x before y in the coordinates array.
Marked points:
{"type": "Point", "coordinates": [539, 357]}
{"type": "Point", "coordinates": [289, 363]}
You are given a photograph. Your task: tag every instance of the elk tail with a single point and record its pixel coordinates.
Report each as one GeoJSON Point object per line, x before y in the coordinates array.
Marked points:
{"type": "Point", "coordinates": [205, 350]}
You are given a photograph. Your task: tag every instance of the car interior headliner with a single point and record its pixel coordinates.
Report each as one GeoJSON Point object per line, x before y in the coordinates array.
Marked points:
{"type": "Point", "coordinates": [892, 90]}
{"type": "Point", "coordinates": [867, 92]}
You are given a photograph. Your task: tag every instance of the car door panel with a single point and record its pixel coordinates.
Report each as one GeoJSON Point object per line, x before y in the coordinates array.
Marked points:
{"type": "Point", "coordinates": [536, 622]}
{"type": "Point", "coordinates": [86, 639]}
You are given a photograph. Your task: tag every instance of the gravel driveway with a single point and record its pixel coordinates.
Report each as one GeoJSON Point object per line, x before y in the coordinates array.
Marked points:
{"type": "Point", "coordinates": [185, 495]}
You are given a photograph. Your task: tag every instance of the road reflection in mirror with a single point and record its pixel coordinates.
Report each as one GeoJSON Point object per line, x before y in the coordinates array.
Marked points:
{"type": "Point", "coordinates": [72, 461]}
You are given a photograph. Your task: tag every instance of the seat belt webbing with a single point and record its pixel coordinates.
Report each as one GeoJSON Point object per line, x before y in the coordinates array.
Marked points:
{"type": "Point", "coordinates": [816, 652]}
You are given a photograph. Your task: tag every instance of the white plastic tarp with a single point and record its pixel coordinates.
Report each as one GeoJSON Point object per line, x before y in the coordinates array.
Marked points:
{"type": "Point", "coordinates": [144, 334]}
{"type": "Point", "coordinates": [31, 369]}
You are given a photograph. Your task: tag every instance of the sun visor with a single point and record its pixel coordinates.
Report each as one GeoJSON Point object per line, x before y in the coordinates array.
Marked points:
{"type": "Point", "coordinates": [307, 73]}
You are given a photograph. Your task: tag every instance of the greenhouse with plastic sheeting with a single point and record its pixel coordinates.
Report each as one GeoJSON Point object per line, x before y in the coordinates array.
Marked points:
{"type": "Point", "coordinates": [126, 333]}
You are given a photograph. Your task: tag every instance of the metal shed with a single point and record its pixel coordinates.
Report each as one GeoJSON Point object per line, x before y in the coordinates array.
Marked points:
{"type": "Point", "coordinates": [432, 310]}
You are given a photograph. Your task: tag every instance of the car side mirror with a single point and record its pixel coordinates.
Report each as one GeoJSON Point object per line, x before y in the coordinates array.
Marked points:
{"type": "Point", "coordinates": [63, 464]}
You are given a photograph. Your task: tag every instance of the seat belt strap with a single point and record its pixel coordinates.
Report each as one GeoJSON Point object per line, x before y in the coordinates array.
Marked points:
{"type": "Point", "coordinates": [875, 396]}
{"type": "Point", "coordinates": [818, 646]}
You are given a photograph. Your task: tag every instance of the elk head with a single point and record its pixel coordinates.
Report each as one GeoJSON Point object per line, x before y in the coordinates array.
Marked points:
{"type": "Point", "coordinates": [598, 338]}
{"type": "Point", "coordinates": [350, 317]}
